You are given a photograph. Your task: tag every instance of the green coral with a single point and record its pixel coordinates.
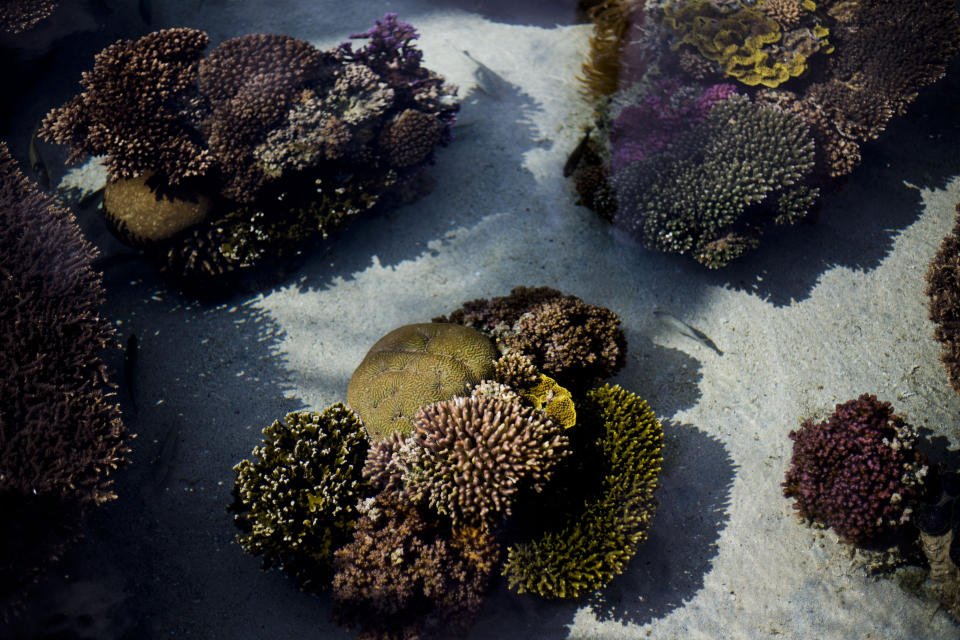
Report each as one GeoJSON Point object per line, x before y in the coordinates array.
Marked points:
{"type": "Point", "coordinates": [295, 501]}
{"type": "Point", "coordinates": [587, 554]}
{"type": "Point", "coordinates": [745, 43]}
{"type": "Point", "coordinates": [713, 191]}
{"type": "Point", "coordinates": [413, 366]}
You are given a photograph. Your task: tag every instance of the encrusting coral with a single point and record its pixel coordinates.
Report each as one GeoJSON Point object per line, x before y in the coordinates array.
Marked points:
{"type": "Point", "coordinates": [858, 471]}
{"type": "Point", "coordinates": [413, 366]}
{"type": "Point", "coordinates": [943, 289]}
{"type": "Point", "coordinates": [295, 501]}
{"type": "Point", "coordinates": [60, 428]}
{"type": "Point", "coordinates": [589, 552]}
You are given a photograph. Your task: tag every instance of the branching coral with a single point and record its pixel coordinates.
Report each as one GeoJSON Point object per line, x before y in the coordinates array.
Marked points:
{"type": "Point", "coordinates": [470, 456]}
{"type": "Point", "coordinates": [586, 554]}
{"type": "Point", "coordinates": [60, 429]}
{"type": "Point", "coordinates": [129, 108]}
{"type": "Point", "coordinates": [943, 288]}
{"type": "Point", "coordinates": [718, 184]}
{"type": "Point", "coordinates": [295, 501]}
{"type": "Point", "coordinates": [17, 16]}
{"type": "Point", "coordinates": [413, 366]}
{"type": "Point", "coordinates": [858, 471]}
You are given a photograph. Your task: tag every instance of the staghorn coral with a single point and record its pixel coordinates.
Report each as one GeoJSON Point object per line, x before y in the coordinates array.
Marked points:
{"type": "Point", "coordinates": [413, 366]}
{"type": "Point", "coordinates": [719, 183]}
{"type": "Point", "coordinates": [858, 471]}
{"type": "Point", "coordinates": [405, 576]}
{"type": "Point", "coordinates": [469, 456]}
{"type": "Point", "coordinates": [586, 554]}
{"type": "Point", "coordinates": [943, 289]}
{"type": "Point", "coordinates": [17, 16]}
{"type": "Point", "coordinates": [129, 108]}
{"type": "Point", "coordinates": [60, 429]}
{"type": "Point", "coordinates": [295, 500]}
{"type": "Point", "coordinates": [517, 371]}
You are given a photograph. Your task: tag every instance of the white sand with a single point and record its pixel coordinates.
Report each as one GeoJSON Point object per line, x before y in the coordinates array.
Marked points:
{"type": "Point", "coordinates": [817, 316]}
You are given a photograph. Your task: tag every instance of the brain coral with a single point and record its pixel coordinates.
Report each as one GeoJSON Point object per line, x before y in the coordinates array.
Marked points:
{"type": "Point", "coordinates": [858, 471]}
{"type": "Point", "coordinates": [60, 428]}
{"type": "Point", "coordinates": [469, 456]}
{"type": "Point", "coordinates": [943, 288]}
{"type": "Point", "coordinates": [295, 501]}
{"type": "Point", "coordinates": [719, 183]}
{"type": "Point", "coordinates": [413, 366]}
{"type": "Point", "coordinates": [586, 554]}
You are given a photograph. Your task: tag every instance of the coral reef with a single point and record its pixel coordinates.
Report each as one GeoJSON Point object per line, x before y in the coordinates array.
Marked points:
{"type": "Point", "coordinates": [144, 216]}
{"type": "Point", "coordinates": [17, 16]}
{"type": "Point", "coordinates": [60, 428]}
{"type": "Point", "coordinates": [720, 182]}
{"type": "Point", "coordinates": [943, 289]}
{"type": "Point", "coordinates": [295, 501]}
{"type": "Point", "coordinates": [413, 366]}
{"type": "Point", "coordinates": [858, 471]}
{"type": "Point", "coordinates": [586, 554]}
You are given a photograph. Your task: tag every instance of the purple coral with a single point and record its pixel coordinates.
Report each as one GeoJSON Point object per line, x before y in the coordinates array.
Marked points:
{"type": "Point", "coordinates": [669, 108]}
{"type": "Point", "coordinates": [857, 471]}
{"type": "Point", "coordinates": [390, 45]}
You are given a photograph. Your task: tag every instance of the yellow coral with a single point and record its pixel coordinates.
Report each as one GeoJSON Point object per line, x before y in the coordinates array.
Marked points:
{"type": "Point", "coordinates": [554, 400]}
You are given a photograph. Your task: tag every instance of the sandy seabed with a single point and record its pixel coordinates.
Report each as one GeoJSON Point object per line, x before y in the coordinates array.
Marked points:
{"type": "Point", "coordinates": [817, 316]}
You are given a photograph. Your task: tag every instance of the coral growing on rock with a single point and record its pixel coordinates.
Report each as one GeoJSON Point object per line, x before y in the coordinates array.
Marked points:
{"type": "Point", "coordinates": [858, 471]}
{"type": "Point", "coordinates": [295, 500]}
{"type": "Point", "coordinates": [586, 554]}
{"type": "Point", "coordinates": [943, 289]}
{"type": "Point", "coordinates": [60, 428]}
{"type": "Point", "coordinates": [413, 366]}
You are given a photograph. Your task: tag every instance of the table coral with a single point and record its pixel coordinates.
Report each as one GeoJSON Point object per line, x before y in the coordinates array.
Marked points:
{"type": "Point", "coordinates": [943, 289]}
{"type": "Point", "coordinates": [295, 500]}
{"type": "Point", "coordinates": [586, 554]}
{"type": "Point", "coordinates": [858, 471]}
{"type": "Point", "coordinates": [60, 429]}
{"type": "Point", "coordinates": [413, 366]}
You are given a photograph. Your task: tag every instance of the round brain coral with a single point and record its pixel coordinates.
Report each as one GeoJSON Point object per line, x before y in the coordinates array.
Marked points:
{"type": "Point", "coordinates": [586, 554]}
{"type": "Point", "coordinates": [295, 501]}
{"type": "Point", "coordinates": [857, 471]}
{"type": "Point", "coordinates": [413, 366]}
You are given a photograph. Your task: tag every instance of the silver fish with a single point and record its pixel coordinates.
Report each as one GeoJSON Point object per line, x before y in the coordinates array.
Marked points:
{"type": "Point", "coordinates": [488, 81]}
{"type": "Point", "coordinates": [685, 329]}
{"type": "Point", "coordinates": [37, 164]}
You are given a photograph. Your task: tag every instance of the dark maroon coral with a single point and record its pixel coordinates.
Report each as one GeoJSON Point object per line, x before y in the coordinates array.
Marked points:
{"type": "Point", "coordinates": [135, 108]}
{"type": "Point", "coordinates": [858, 471]}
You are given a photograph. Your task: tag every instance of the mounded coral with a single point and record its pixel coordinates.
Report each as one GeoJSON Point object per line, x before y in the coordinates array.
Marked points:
{"type": "Point", "coordinates": [943, 289]}
{"type": "Point", "coordinates": [145, 216]}
{"type": "Point", "coordinates": [719, 184]}
{"type": "Point", "coordinates": [858, 471]}
{"type": "Point", "coordinates": [60, 429]}
{"type": "Point", "coordinates": [586, 554]}
{"type": "Point", "coordinates": [413, 366]}
{"type": "Point", "coordinates": [295, 500]}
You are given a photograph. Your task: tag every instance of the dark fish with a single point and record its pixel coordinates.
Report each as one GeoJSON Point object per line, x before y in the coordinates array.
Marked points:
{"type": "Point", "coordinates": [574, 158]}
{"type": "Point", "coordinates": [37, 163]}
{"type": "Point", "coordinates": [129, 366]}
{"type": "Point", "coordinates": [146, 10]}
{"type": "Point", "coordinates": [685, 329]}
{"type": "Point", "coordinates": [488, 81]}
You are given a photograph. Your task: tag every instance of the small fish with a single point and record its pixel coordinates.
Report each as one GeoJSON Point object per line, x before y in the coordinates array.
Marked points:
{"type": "Point", "coordinates": [146, 10]}
{"type": "Point", "coordinates": [685, 329]}
{"type": "Point", "coordinates": [574, 158]}
{"type": "Point", "coordinates": [488, 81]}
{"type": "Point", "coordinates": [129, 366]}
{"type": "Point", "coordinates": [37, 163]}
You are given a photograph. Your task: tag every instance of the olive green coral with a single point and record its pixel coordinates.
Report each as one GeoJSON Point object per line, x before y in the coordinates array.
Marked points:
{"type": "Point", "coordinates": [295, 501]}
{"type": "Point", "coordinates": [413, 366]}
{"type": "Point", "coordinates": [587, 554]}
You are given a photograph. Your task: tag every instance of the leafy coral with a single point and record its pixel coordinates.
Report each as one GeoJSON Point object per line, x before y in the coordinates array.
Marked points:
{"type": "Point", "coordinates": [295, 500]}
{"type": "Point", "coordinates": [413, 366]}
{"type": "Point", "coordinates": [587, 553]}
{"type": "Point", "coordinates": [858, 471]}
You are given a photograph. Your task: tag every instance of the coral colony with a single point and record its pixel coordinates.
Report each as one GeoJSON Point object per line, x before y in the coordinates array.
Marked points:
{"type": "Point", "coordinates": [248, 154]}
{"type": "Point", "coordinates": [459, 458]}
{"type": "Point", "coordinates": [718, 118]}
{"type": "Point", "coordinates": [60, 428]}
